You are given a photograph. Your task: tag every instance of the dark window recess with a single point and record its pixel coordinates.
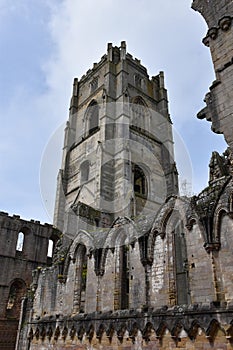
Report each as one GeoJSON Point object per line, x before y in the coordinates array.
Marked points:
{"type": "Point", "coordinates": [140, 182]}
{"type": "Point", "coordinates": [94, 84]}
{"type": "Point", "coordinates": [124, 262]}
{"type": "Point", "coordinates": [181, 263]}
{"type": "Point", "coordinates": [93, 118]}
{"type": "Point", "coordinates": [84, 170]}
{"type": "Point", "coordinates": [17, 292]}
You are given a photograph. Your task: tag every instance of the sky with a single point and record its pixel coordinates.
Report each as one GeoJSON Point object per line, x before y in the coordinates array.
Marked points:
{"type": "Point", "coordinates": [44, 44]}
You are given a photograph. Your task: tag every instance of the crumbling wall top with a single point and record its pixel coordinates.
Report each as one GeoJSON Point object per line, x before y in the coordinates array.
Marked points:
{"type": "Point", "coordinates": [213, 10]}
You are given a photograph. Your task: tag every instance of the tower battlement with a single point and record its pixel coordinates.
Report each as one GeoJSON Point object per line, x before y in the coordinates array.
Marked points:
{"type": "Point", "coordinates": [114, 55]}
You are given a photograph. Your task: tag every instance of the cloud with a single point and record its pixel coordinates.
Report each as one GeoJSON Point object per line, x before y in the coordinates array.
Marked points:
{"type": "Point", "coordinates": [59, 40]}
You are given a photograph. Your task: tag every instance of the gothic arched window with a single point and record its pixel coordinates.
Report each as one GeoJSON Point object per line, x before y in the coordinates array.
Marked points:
{"type": "Point", "coordinates": [139, 181]}
{"type": "Point", "coordinates": [17, 292]}
{"type": "Point", "coordinates": [181, 263]}
{"type": "Point", "coordinates": [140, 113]}
{"type": "Point", "coordinates": [92, 117]}
{"type": "Point", "coordinates": [84, 171]}
{"type": "Point", "coordinates": [122, 285]}
{"type": "Point", "coordinates": [140, 190]}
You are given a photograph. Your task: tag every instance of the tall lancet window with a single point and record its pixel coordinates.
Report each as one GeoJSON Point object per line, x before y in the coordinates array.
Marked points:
{"type": "Point", "coordinates": [92, 117]}
{"type": "Point", "coordinates": [140, 188]}
{"type": "Point", "coordinates": [124, 276]}
{"type": "Point", "coordinates": [139, 181]}
{"type": "Point", "coordinates": [16, 293]}
{"type": "Point", "coordinates": [181, 263]}
{"type": "Point", "coordinates": [140, 113]}
{"type": "Point", "coordinates": [84, 171]}
{"type": "Point", "coordinates": [80, 279]}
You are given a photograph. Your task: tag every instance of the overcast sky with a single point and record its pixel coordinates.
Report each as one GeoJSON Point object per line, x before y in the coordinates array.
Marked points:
{"type": "Point", "coordinates": [44, 44]}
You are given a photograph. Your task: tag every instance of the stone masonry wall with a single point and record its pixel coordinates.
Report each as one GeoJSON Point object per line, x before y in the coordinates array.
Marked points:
{"type": "Point", "coordinates": [218, 15]}
{"type": "Point", "coordinates": [17, 266]}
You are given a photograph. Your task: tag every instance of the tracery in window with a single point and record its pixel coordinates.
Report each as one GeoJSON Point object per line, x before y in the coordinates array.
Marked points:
{"type": "Point", "coordinates": [139, 81]}
{"type": "Point", "coordinates": [140, 113]}
{"type": "Point", "coordinates": [94, 84]}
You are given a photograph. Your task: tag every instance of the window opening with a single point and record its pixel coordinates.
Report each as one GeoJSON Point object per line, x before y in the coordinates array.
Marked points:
{"type": "Point", "coordinates": [181, 263]}
{"type": "Point", "coordinates": [124, 268]}
{"type": "Point", "coordinates": [16, 293]}
{"type": "Point", "coordinates": [50, 249]}
{"type": "Point", "coordinates": [93, 118]}
{"type": "Point", "coordinates": [140, 182]}
{"type": "Point", "coordinates": [20, 241]}
{"type": "Point", "coordinates": [84, 169]}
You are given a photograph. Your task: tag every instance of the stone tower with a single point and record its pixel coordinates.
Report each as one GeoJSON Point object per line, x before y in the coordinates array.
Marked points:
{"type": "Point", "coordinates": [118, 157]}
{"type": "Point", "coordinates": [219, 100]}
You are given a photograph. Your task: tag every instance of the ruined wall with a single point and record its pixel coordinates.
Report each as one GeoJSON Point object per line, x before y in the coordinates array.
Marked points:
{"type": "Point", "coordinates": [24, 246]}
{"type": "Point", "coordinates": [180, 327]}
{"type": "Point", "coordinates": [218, 15]}
{"type": "Point", "coordinates": [179, 283]}
{"type": "Point", "coordinates": [159, 284]}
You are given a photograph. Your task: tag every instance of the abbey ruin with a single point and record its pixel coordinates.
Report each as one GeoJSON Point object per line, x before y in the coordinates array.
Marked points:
{"type": "Point", "coordinates": [134, 265]}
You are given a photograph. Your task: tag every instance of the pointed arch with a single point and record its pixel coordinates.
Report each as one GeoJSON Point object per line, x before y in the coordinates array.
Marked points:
{"type": "Point", "coordinates": [122, 225]}
{"type": "Point", "coordinates": [147, 331]}
{"type": "Point", "coordinates": [181, 263]}
{"type": "Point", "coordinates": [193, 330]}
{"type": "Point", "coordinates": [162, 329]}
{"type": "Point", "coordinates": [217, 224]}
{"type": "Point", "coordinates": [159, 225]}
{"type": "Point", "coordinates": [92, 118]}
{"type": "Point", "coordinates": [23, 232]}
{"type": "Point", "coordinates": [17, 291]}
{"type": "Point", "coordinates": [213, 329]}
{"type": "Point", "coordinates": [121, 295]}
{"type": "Point", "coordinates": [140, 114]}
{"type": "Point", "coordinates": [83, 237]}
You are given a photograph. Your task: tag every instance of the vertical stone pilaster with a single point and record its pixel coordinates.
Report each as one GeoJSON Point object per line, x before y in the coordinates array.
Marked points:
{"type": "Point", "coordinates": [98, 294]}
{"type": "Point", "coordinates": [148, 284]}
{"type": "Point", "coordinates": [171, 273]}
{"type": "Point", "coordinates": [217, 280]}
{"type": "Point", "coordinates": [116, 295]}
{"type": "Point", "coordinates": [77, 289]}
